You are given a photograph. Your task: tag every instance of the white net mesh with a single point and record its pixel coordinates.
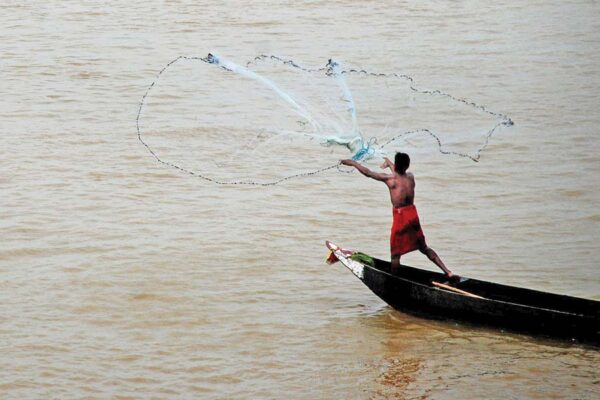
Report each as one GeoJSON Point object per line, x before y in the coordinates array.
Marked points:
{"type": "Point", "coordinates": [274, 119]}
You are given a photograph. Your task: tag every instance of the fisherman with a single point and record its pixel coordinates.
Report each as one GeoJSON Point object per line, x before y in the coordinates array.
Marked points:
{"type": "Point", "coordinates": [407, 234]}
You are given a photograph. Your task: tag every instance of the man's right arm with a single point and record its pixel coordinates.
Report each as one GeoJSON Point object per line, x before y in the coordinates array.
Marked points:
{"type": "Point", "coordinates": [388, 164]}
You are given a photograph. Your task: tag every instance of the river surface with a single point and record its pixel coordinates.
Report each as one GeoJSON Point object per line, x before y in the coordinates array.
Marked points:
{"type": "Point", "coordinates": [123, 278]}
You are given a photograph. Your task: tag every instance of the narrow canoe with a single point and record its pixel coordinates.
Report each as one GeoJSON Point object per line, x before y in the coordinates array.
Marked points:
{"type": "Point", "coordinates": [414, 291]}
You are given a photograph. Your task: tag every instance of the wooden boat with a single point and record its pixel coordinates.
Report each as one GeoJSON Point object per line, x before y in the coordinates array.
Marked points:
{"type": "Point", "coordinates": [419, 292]}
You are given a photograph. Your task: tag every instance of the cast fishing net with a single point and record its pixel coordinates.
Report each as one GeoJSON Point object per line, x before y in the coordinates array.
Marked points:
{"type": "Point", "coordinates": [273, 119]}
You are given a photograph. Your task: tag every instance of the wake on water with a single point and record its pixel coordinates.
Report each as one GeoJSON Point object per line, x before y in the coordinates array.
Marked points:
{"type": "Point", "coordinates": [278, 117]}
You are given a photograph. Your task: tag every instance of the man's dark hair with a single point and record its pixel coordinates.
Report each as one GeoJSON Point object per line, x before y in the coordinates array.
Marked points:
{"type": "Point", "coordinates": [401, 162]}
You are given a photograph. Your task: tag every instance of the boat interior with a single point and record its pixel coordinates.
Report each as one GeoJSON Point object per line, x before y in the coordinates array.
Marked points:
{"type": "Point", "coordinates": [498, 292]}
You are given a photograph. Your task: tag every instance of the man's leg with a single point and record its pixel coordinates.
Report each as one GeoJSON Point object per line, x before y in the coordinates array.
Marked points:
{"type": "Point", "coordinates": [395, 263]}
{"type": "Point", "coordinates": [432, 255]}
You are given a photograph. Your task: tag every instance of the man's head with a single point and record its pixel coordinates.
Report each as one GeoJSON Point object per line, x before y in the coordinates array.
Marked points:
{"type": "Point", "coordinates": [401, 162]}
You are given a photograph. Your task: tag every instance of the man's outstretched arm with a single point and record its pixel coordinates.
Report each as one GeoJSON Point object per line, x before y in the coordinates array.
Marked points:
{"type": "Point", "coordinates": [366, 171]}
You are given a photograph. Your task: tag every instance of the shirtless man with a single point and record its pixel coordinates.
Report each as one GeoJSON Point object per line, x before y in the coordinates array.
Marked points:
{"type": "Point", "coordinates": [407, 234]}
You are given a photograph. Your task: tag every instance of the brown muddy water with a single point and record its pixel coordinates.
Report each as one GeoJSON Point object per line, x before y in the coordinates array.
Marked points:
{"type": "Point", "coordinates": [123, 278]}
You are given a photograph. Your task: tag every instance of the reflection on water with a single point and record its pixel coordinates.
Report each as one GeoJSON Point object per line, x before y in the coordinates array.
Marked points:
{"type": "Point", "coordinates": [398, 374]}
{"type": "Point", "coordinates": [438, 359]}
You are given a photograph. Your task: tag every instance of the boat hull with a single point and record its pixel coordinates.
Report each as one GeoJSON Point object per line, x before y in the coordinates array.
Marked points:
{"type": "Point", "coordinates": [410, 290]}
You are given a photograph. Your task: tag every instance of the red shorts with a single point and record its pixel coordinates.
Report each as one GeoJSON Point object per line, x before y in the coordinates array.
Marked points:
{"type": "Point", "coordinates": [406, 230]}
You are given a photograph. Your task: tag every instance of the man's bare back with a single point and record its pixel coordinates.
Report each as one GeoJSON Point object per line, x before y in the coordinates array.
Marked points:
{"type": "Point", "coordinates": [401, 185]}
